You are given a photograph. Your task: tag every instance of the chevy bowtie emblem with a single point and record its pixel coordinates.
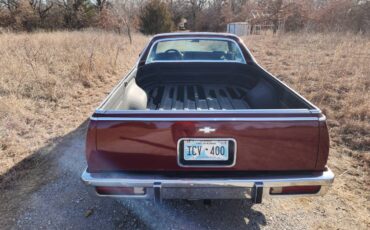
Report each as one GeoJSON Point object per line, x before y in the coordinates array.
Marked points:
{"type": "Point", "coordinates": [207, 130]}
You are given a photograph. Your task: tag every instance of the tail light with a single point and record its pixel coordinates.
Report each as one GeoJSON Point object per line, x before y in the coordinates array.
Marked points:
{"type": "Point", "coordinates": [323, 150]}
{"type": "Point", "coordinates": [291, 190]}
{"type": "Point", "coordinates": [90, 140]}
{"type": "Point", "coordinates": [102, 190]}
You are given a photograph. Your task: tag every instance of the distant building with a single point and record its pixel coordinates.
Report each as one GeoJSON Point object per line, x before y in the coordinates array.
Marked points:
{"type": "Point", "coordinates": [257, 22]}
{"type": "Point", "coordinates": [238, 28]}
{"type": "Point", "coordinates": [182, 25]}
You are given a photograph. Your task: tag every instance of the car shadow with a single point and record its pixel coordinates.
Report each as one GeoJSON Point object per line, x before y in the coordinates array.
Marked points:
{"type": "Point", "coordinates": [31, 174]}
{"type": "Point", "coordinates": [179, 214]}
{"type": "Point", "coordinates": [39, 161]}
{"type": "Point", "coordinates": [45, 191]}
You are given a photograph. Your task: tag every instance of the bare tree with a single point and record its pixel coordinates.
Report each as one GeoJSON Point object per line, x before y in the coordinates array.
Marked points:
{"type": "Point", "coordinates": [274, 9]}
{"type": "Point", "coordinates": [42, 8]}
{"type": "Point", "coordinates": [11, 5]}
{"type": "Point", "coordinates": [100, 4]}
{"type": "Point", "coordinates": [196, 6]}
{"type": "Point", "coordinates": [76, 13]}
{"type": "Point", "coordinates": [208, 15]}
{"type": "Point", "coordinates": [125, 12]}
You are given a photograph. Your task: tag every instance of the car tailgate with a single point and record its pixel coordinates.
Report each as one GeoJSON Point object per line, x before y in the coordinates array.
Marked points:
{"type": "Point", "coordinates": [265, 142]}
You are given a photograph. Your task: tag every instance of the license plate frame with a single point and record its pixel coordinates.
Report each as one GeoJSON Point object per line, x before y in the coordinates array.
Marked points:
{"type": "Point", "coordinates": [230, 162]}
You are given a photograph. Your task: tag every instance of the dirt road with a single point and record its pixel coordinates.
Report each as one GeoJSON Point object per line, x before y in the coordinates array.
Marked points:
{"type": "Point", "coordinates": [50, 195]}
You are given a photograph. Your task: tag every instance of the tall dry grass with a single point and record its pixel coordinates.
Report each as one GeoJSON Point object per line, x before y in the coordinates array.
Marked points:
{"type": "Point", "coordinates": [330, 70]}
{"type": "Point", "coordinates": [333, 72]}
{"type": "Point", "coordinates": [50, 83]}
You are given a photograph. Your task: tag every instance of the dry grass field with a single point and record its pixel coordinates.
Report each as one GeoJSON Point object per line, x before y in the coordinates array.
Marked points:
{"type": "Point", "coordinates": [51, 82]}
{"type": "Point", "coordinates": [333, 72]}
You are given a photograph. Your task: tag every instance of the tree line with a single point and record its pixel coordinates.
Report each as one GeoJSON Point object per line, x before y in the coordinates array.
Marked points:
{"type": "Point", "coordinates": [154, 16]}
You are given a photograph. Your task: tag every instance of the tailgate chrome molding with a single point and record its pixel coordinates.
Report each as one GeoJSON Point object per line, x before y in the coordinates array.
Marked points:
{"type": "Point", "coordinates": [233, 111]}
{"type": "Point", "coordinates": [225, 184]}
{"type": "Point", "coordinates": [204, 118]}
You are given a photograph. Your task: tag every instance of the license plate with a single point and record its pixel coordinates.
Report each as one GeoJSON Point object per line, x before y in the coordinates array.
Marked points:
{"type": "Point", "coordinates": [206, 150]}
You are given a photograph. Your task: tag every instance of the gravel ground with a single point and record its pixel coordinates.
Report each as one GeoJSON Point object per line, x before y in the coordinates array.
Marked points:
{"type": "Point", "coordinates": [51, 196]}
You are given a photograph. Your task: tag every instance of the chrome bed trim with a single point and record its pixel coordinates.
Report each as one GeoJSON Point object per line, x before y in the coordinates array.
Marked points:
{"type": "Point", "coordinates": [233, 111]}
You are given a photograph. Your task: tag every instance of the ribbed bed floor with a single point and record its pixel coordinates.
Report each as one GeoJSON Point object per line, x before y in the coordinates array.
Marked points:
{"type": "Point", "coordinates": [196, 97]}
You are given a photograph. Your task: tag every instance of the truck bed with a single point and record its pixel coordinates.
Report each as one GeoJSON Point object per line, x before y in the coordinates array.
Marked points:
{"type": "Point", "coordinates": [167, 86]}
{"type": "Point", "coordinates": [196, 97]}
{"type": "Point", "coordinates": [142, 123]}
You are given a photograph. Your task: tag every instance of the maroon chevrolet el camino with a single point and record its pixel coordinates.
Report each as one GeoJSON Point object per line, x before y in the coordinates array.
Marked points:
{"type": "Point", "coordinates": [198, 118]}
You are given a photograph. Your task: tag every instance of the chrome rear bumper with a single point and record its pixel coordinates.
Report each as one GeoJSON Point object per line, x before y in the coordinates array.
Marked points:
{"type": "Point", "coordinates": [160, 187]}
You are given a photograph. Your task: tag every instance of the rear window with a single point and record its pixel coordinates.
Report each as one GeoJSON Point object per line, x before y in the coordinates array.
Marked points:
{"type": "Point", "coordinates": [195, 50]}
